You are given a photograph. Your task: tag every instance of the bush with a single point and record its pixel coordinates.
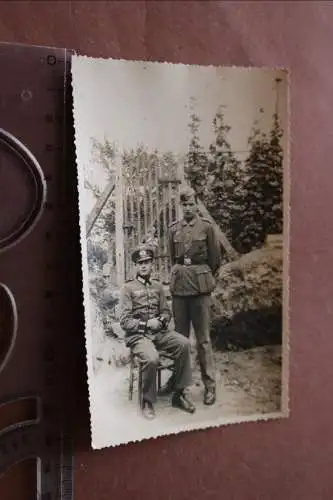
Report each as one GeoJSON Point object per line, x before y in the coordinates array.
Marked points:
{"type": "Point", "coordinates": [247, 301]}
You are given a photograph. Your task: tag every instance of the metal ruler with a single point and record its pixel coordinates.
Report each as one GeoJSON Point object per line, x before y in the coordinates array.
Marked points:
{"type": "Point", "coordinates": [37, 296]}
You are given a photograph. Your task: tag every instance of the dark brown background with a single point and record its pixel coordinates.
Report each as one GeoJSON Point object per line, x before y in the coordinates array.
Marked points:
{"type": "Point", "coordinates": [290, 459]}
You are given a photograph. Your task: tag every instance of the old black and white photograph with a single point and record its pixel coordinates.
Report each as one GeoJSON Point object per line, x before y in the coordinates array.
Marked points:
{"type": "Point", "coordinates": [183, 179]}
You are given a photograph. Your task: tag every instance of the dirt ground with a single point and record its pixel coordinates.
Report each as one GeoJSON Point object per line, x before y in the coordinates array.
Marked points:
{"type": "Point", "coordinates": [248, 385]}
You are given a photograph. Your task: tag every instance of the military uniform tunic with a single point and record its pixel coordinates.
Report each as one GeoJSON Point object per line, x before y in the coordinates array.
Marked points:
{"type": "Point", "coordinates": [195, 256]}
{"type": "Point", "coordinates": [141, 300]}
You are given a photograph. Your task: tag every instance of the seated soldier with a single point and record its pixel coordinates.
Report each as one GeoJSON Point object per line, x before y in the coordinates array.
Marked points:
{"type": "Point", "coordinates": [145, 317]}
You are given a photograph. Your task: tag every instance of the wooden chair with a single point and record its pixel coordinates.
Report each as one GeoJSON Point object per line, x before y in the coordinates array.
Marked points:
{"type": "Point", "coordinates": [165, 363]}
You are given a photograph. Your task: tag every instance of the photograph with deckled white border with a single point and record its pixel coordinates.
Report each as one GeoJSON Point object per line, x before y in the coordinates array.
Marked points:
{"type": "Point", "coordinates": [183, 191]}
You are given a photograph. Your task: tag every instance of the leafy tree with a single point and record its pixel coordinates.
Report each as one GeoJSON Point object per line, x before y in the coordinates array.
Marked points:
{"type": "Point", "coordinates": [103, 153]}
{"type": "Point", "coordinates": [97, 256]}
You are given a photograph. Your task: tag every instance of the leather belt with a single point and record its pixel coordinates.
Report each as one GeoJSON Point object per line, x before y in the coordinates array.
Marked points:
{"type": "Point", "coordinates": [186, 261]}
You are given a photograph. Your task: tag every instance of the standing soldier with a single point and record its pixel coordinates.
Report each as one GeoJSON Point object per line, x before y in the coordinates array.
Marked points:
{"type": "Point", "coordinates": [195, 257]}
{"type": "Point", "coordinates": [145, 316]}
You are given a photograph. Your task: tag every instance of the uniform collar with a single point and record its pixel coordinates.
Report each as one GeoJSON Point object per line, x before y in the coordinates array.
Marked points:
{"type": "Point", "coordinates": [191, 222]}
{"type": "Point", "coordinates": [144, 281]}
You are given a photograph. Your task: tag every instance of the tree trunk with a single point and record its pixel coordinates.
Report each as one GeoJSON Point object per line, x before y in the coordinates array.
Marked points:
{"type": "Point", "coordinates": [100, 204]}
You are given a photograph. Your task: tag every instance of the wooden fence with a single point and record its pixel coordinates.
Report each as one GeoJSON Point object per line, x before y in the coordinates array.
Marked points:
{"type": "Point", "coordinates": [150, 204]}
{"type": "Point", "coordinates": [146, 198]}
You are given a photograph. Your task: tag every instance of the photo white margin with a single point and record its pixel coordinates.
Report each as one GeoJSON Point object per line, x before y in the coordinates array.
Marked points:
{"type": "Point", "coordinates": [285, 369]}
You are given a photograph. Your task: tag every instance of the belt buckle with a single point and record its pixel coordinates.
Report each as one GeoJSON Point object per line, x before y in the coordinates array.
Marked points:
{"type": "Point", "coordinates": [187, 261]}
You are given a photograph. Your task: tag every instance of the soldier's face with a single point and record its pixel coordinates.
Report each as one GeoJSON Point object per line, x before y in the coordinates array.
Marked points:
{"type": "Point", "coordinates": [189, 207]}
{"type": "Point", "coordinates": [145, 267]}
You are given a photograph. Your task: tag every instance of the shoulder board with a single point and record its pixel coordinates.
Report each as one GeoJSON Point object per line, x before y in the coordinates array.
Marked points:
{"type": "Point", "coordinates": [174, 223]}
{"type": "Point", "coordinates": [129, 281]}
{"type": "Point", "coordinates": [156, 280]}
{"type": "Point", "coordinates": [205, 219]}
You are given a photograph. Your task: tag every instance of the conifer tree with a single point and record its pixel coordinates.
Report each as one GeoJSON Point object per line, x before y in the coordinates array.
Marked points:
{"type": "Point", "coordinates": [225, 200]}
{"type": "Point", "coordinates": [196, 164]}
{"type": "Point", "coordinates": [263, 203]}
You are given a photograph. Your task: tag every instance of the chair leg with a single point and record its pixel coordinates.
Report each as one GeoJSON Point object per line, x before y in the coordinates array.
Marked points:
{"type": "Point", "coordinates": [131, 382]}
{"type": "Point", "coordinates": [140, 387]}
{"type": "Point", "coordinates": [159, 379]}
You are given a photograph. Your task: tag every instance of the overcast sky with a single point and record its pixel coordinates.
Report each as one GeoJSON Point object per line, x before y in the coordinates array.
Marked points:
{"type": "Point", "coordinates": [134, 102]}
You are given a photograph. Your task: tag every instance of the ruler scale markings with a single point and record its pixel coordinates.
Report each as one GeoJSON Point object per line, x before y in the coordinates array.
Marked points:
{"type": "Point", "coordinates": [55, 465]}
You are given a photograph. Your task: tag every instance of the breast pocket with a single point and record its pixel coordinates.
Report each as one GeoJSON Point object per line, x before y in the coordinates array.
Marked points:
{"type": "Point", "coordinates": [198, 250]}
{"type": "Point", "coordinates": [199, 245]}
{"type": "Point", "coordinates": [139, 298]}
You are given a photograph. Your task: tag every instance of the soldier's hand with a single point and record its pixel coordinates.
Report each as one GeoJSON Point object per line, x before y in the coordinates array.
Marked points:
{"type": "Point", "coordinates": [154, 324]}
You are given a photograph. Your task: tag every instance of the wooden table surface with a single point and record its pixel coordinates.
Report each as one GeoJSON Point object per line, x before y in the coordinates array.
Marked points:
{"type": "Point", "coordinates": [281, 460]}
